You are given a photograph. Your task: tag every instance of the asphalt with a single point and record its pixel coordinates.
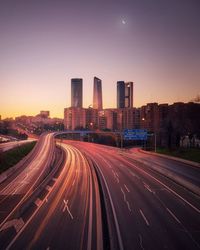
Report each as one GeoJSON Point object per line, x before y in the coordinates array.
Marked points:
{"type": "Point", "coordinates": [103, 190]}
{"type": "Point", "coordinates": [69, 217]}
{"type": "Point", "coordinates": [152, 211]}
{"type": "Point", "coordinates": [20, 185]}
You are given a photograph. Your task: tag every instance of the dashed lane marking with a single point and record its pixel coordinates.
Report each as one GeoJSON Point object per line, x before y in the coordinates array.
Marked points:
{"type": "Point", "coordinates": [144, 217]}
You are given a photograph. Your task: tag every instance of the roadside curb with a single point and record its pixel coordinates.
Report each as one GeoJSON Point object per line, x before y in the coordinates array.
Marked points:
{"type": "Point", "coordinates": [191, 163]}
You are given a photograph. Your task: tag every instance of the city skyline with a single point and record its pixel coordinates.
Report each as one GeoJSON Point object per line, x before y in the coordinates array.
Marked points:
{"type": "Point", "coordinates": [156, 45]}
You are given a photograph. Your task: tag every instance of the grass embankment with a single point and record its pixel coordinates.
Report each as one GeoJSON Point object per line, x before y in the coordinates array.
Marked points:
{"type": "Point", "coordinates": [191, 154]}
{"type": "Point", "coordinates": [13, 156]}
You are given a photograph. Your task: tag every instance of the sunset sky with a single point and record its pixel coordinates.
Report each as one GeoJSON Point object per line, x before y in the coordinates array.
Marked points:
{"type": "Point", "coordinates": [45, 43]}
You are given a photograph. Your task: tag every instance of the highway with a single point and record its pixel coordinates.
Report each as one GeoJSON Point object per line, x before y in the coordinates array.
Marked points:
{"type": "Point", "coordinates": [100, 198]}
{"type": "Point", "coordinates": [149, 210]}
{"type": "Point", "coordinates": [22, 183]}
{"type": "Point", "coordinates": [69, 216]}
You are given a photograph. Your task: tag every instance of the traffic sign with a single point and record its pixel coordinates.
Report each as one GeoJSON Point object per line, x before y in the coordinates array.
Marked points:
{"type": "Point", "coordinates": [135, 134]}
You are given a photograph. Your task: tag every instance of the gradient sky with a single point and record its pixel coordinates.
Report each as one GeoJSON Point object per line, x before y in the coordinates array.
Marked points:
{"type": "Point", "coordinates": [45, 43]}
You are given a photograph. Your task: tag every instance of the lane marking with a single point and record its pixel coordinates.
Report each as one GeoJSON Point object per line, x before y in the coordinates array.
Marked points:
{"type": "Point", "coordinates": [16, 223]}
{"type": "Point", "coordinates": [144, 217]}
{"type": "Point", "coordinates": [125, 200]}
{"type": "Point", "coordinates": [66, 207]}
{"type": "Point", "coordinates": [128, 205]}
{"type": "Point", "coordinates": [126, 188]}
{"type": "Point", "coordinates": [116, 176]}
{"type": "Point", "coordinates": [123, 194]}
{"type": "Point", "coordinates": [121, 247]}
{"type": "Point", "coordinates": [173, 215]}
{"type": "Point", "coordinates": [147, 187]}
{"type": "Point", "coordinates": [140, 240]}
{"type": "Point", "coordinates": [168, 188]}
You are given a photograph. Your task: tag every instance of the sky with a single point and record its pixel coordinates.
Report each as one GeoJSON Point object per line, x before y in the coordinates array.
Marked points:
{"type": "Point", "coordinates": [45, 43]}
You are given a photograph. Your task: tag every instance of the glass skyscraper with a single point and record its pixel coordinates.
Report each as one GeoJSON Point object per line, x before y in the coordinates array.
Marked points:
{"type": "Point", "coordinates": [77, 93]}
{"type": "Point", "coordinates": [124, 94]}
{"type": "Point", "coordinates": [97, 94]}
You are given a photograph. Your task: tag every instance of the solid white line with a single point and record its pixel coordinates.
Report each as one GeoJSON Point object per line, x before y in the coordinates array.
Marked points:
{"type": "Point", "coordinates": [113, 208]}
{"type": "Point", "coordinates": [143, 216]}
{"type": "Point", "coordinates": [89, 240]}
{"type": "Point", "coordinates": [126, 188]}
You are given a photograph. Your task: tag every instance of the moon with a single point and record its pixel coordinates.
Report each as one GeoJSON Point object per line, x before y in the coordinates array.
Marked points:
{"type": "Point", "coordinates": [123, 21]}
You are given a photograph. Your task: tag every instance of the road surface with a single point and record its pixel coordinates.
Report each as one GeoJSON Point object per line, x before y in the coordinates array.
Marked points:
{"type": "Point", "coordinates": [152, 212]}
{"type": "Point", "coordinates": [17, 188]}
{"type": "Point", "coordinates": [105, 198]}
{"type": "Point", "coordinates": [69, 216]}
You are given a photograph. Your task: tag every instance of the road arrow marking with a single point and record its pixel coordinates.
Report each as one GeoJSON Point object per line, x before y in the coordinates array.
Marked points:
{"type": "Point", "coordinates": [16, 223]}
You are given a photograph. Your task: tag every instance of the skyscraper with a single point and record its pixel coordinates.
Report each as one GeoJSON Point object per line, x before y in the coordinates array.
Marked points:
{"type": "Point", "coordinates": [128, 94]}
{"type": "Point", "coordinates": [76, 93]}
{"type": "Point", "coordinates": [124, 94]}
{"type": "Point", "coordinates": [97, 94]}
{"type": "Point", "coordinates": [120, 94]}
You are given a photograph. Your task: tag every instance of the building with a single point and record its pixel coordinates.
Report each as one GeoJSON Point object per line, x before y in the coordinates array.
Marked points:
{"type": "Point", "coordinates": [120, 94]}
{"type": "Point", "coordinates": [91, 118]}
{"type": "Point", "coordinates": [107, 119]}
{"type": "Point", "coordinates": [126, 118]}
{"type": "Point", "coordinates": [97, 94]}
{"type": "Point", "coordinates": [128, 94]}
{"type": "Point", "coordinates": [44, 114]}
{"type": "Point", "coordinates": [124, 94]}
{"type": "Point", "coordinates": [74, 118]}
{"type": "Point", "coordinates": [77, 93]}
{"type": "Point", "coordinates": [149, 117]}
